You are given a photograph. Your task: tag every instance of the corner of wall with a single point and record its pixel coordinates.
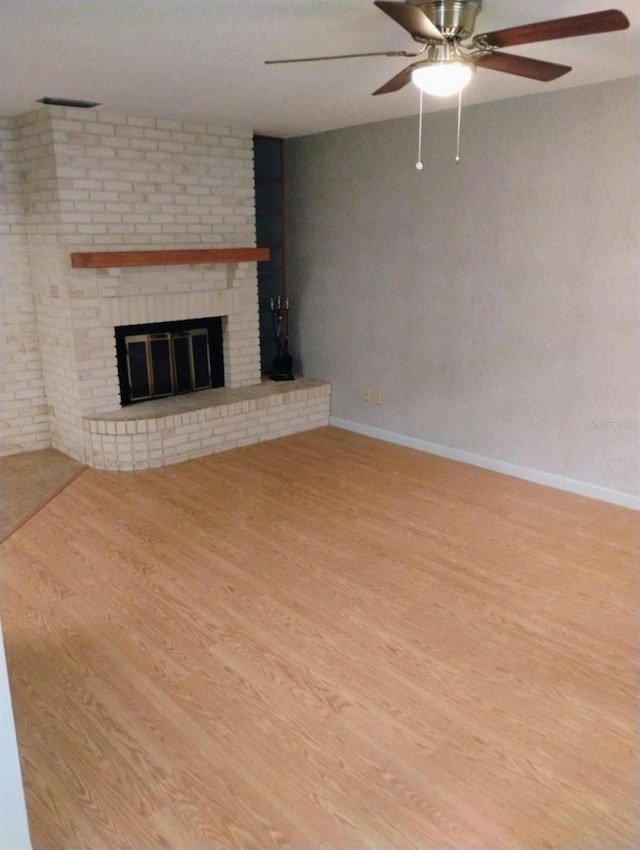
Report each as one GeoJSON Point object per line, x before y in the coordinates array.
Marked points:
{"type": "Point", "coordinates": [24, 419]}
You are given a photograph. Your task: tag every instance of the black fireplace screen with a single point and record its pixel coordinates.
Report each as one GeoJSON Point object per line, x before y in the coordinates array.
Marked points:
{"type": "Point", "coordinates": [169, 358]}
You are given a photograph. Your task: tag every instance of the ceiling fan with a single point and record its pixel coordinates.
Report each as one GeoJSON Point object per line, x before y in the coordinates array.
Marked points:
{"type": "Point", "coordinates": [447, 65]}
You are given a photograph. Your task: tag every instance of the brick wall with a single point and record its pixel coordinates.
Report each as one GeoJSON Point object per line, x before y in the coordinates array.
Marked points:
{"type": "Point", "coordinates": [133, 182]}
{"type": "Point", "coordinates": [48, 262]}
{"type": "Point", "coordinates": [24, 422]}
{"type": "Point", "coordinates": [92, 180]}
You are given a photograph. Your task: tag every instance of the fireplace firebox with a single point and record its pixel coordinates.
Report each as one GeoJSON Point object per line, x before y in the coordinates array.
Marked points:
{"type": "Point", "coordinates": [169, 358]}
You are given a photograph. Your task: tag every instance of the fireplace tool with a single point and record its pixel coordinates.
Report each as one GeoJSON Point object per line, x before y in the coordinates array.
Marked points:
{"type": "Point", "coordinates": [282, 362]}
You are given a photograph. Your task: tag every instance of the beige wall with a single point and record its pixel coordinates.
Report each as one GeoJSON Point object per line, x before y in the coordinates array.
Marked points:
{"type": "Point", "coordinates": [494, 302]}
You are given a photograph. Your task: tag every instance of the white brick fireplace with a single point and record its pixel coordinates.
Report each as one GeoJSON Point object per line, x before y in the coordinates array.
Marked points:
{"type": "Point", "coordinates": [94, 182]}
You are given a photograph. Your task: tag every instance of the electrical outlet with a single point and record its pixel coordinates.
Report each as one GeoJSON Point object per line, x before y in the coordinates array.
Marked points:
{"type": "Point", "coordinates": [377, 396]}
{"type": "Point", "coordinates": [366, 395]}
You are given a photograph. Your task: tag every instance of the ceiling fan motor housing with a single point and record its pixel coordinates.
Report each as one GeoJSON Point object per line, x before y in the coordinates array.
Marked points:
{"type": "Point", "coordinates": [454, 18]}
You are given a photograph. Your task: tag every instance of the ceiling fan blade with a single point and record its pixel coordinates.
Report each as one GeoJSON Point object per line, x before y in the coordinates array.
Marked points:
{"type": "Point", "coordinates": [522, 66]}
{"type": "Point", "coordinates": [595, 22]}
{"type": "Point", "coordinates": [339, 56]}
{"type": "Point", "coordinates": [396, 83]}
{"type": "Point", "coordinates": [412, 18]}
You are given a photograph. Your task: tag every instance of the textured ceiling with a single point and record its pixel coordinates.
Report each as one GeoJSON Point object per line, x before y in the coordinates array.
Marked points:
{"type": "Point", "coordinates": [203, 59]}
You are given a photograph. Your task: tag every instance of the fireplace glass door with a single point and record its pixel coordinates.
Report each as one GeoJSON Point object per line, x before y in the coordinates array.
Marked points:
{"type": "Point", "coordinates": [163, 364]}
{"type": "Point", "coordinates": [162, 359]}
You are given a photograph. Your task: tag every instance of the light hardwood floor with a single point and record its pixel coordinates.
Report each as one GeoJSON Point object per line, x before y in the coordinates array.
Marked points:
{"type": "Point", "coordinates": [324, 641]}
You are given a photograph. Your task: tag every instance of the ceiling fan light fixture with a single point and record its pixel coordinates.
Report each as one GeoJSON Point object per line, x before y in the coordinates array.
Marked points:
{"type": "Point", "coordinates": [443, 79]}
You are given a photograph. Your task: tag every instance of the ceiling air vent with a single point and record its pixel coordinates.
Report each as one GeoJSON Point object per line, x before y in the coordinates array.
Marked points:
{"type": "Point", "coordinates": [67, 101]}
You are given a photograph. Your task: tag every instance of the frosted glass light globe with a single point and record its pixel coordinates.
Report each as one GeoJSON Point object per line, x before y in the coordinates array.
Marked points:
{"type": "Point", "coordinates": [442, 78]}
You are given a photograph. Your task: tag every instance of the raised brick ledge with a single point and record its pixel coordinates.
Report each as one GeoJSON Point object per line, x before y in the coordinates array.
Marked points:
{"type": "Point", "coordinates": [208, 404]}
{"type": "Point", "coordinates": [174, 430]}
{"type": "Point", "coordinates": [223, 419]}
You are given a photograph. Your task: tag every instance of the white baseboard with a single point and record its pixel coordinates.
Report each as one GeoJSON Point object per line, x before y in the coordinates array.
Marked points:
{"type": "Point", "coordinates": [581, 488]}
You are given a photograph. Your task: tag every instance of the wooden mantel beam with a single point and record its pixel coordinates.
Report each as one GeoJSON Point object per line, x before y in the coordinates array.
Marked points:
{"type": "Point", "coordinates": [171, 257]}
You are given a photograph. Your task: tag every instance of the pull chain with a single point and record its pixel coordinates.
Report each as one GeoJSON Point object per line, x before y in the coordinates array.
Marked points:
{"type": "Point", "coordinates": [419, 162]}
{"type": "Point", "coordinates": [459, 123]}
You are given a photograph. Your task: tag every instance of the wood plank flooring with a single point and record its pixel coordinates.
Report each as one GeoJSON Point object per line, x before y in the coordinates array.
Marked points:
{"type": "Point", "coordinates": [324, 641]}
